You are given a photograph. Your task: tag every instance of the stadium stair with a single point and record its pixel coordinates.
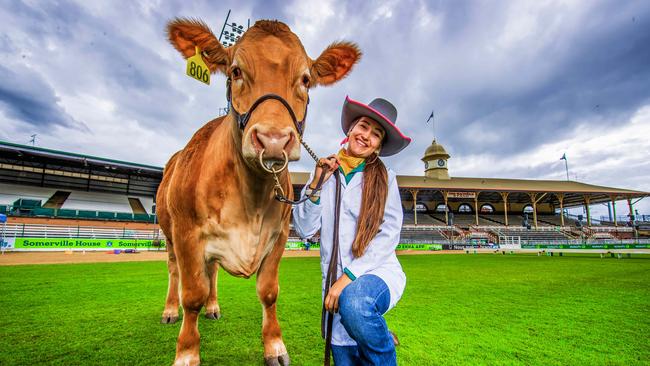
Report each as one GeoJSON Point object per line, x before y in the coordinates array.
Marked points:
{"type": "Point", "coordinates": [57, 200]}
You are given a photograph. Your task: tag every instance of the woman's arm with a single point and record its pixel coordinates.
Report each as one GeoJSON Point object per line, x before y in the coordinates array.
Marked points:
{"type": "Point", "coordinates": [307, 215]}
{"type": "Point", "coordinates": [384, 243]}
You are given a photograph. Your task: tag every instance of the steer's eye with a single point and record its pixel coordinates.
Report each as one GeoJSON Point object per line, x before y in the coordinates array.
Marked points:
{"type": "Point", "coordinates": [236, 73]}
{"type": "Point", "coordinates": [305, 81]}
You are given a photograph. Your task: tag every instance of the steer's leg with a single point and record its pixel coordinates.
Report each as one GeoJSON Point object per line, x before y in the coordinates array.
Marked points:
{"type": "Point", "coordinates": [212, 310]}
{"type": "Point", "coordinates": [170, 314]}
{"type": "Point", "coordinates": [275, 352]}
{"type": "Point", "coordinates": [195, 285]}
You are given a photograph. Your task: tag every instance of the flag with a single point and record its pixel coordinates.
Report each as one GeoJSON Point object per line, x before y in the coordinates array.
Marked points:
{"type": "Point", "coordinates": [563, 157]}
{"type": "Point", "coordinates": [430, 117]}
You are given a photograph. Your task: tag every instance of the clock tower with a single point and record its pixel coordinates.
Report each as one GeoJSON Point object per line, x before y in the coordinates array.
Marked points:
{"type": "Point", "coordinates": [435, 162]}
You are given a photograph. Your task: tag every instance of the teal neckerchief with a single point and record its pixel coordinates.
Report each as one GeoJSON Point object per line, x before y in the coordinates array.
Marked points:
{"type": "Point", "coordinates": [348, 177]}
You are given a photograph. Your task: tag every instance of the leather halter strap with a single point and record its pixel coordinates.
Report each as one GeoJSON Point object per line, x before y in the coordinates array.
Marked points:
{"type": "Point", "coordinates": [242, 119]}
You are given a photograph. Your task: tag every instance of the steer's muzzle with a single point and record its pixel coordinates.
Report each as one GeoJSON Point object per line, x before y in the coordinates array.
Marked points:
{"type": "Point", "coordinates": [278, 144]}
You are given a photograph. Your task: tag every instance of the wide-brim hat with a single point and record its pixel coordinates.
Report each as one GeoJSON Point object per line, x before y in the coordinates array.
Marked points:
{"type": "Point", "coordinates": [384, 113]}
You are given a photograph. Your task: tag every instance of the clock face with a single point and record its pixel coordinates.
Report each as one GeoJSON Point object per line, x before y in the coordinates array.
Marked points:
{"type": "Point", "coordinates": [441, 162]}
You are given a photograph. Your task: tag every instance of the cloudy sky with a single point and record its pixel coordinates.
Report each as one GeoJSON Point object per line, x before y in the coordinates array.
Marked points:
{"type": "Point", "coordinates": [514, 85]}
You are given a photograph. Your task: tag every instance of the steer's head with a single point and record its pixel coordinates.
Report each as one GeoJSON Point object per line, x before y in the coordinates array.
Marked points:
{"type": "Point", "coordinates": [268, 59]}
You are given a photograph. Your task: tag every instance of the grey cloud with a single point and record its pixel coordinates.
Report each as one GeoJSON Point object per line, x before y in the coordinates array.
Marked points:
{"type": "Point", "coordinates": [26, 97]}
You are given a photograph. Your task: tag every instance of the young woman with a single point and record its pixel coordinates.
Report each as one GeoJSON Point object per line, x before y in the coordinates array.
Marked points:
{"type": "Point", "coordinates": [370, 280]}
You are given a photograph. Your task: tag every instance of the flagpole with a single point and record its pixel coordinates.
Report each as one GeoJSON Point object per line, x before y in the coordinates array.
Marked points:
{"type": "Point", "coordinates": [433, 124]}
{"type": "Point", "coordinates": [566, 166]}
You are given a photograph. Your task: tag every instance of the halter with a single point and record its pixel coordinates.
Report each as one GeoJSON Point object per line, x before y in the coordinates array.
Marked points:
{"type": "Point", "coordinates": [242, 119]}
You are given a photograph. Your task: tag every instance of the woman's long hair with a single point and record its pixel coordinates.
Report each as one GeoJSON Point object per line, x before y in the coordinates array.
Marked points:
{"type": "Point", "coordinates": [373, 201]}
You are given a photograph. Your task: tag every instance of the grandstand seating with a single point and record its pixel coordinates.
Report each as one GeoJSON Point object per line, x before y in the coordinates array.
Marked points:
{"type": "Point", "coordinates": [423, 219]}
{"type": "Point", "coordinates": [532, 235]}
{"type": "Point", "coordinates": [493, 219]}
{"type": "Point", "coordinates": [554, 220]}
{"type": "Point", "coordinates": [422, 236]}
{"type": "Point", "coordinates": [9, 193]}
{"type": "Point", "coordinates": [96, 201]}
{"type": "Point", "coordinates": [28, 201]}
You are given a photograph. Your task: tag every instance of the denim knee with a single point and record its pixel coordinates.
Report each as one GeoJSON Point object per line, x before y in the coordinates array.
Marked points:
{"type": "Point", "coordinates": [354, 305]}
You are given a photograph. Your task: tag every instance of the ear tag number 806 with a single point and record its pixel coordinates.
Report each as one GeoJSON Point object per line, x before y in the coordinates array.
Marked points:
{"type": "Point", "coordinates": [196, 67]}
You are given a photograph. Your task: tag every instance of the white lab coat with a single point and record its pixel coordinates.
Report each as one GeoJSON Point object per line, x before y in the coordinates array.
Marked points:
{"type": "Point", "coordinates": [379, 258]}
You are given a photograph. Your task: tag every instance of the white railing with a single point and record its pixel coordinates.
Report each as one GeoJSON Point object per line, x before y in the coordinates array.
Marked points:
{"type": "Point", "coordinates": [91, 232]}
{"type": "Point", "coordinates": [616, 229]}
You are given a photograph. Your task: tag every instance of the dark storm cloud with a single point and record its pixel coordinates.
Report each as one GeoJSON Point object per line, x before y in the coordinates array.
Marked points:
{"type": "Point", "coordinates": [601, 76]}
{"type": "Point", "coordinates": [24, 96]}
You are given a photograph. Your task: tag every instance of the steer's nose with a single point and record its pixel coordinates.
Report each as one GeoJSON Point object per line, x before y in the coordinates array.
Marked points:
{"type": "Point", "coordinates": [274, 142]}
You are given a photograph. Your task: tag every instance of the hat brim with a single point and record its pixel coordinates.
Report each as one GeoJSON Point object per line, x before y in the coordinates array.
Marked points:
{"type": "Point", "coordinates": [393, 142]}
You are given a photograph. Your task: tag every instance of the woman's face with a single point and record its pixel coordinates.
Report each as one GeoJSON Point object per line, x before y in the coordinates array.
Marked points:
{"type": "Point", "coordinates": [365, 138]}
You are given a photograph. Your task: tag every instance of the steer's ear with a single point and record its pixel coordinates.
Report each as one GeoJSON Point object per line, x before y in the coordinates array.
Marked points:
{"type": "Point", "coordinates": [184, 34]}
{"type": "Point", "coordinates": [335, 62]}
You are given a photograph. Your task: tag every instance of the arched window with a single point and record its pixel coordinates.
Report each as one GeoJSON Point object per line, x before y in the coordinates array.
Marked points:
{"type": "Point", "coordinates": [487, 209]}
{"type": "Point", "coordinates": [441, 208]}
{"type": "Point", "coordinates": [464, 208]}
{"type": "Point", "coordinates": [528, 209]}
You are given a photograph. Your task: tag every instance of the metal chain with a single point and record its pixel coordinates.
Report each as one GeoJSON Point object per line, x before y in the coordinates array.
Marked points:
{"type": "Point", "coordinates": [279, 191]}
{"type": "Point", "coordinates": [309, 150]}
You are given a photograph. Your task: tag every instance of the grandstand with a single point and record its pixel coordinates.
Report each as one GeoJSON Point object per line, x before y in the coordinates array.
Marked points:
{"type": "Point", "coordinates": [51, 194]}
{"type": "Point", "coordinates": [44, 183]}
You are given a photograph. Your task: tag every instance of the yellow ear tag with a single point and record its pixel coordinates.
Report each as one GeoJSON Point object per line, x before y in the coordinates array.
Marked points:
{"type": "Point", "coordinates": [196, 67]}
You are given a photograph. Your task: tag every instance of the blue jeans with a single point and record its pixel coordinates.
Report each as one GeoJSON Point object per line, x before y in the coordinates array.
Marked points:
{"type": "Point", "coordinates": [361, 306]}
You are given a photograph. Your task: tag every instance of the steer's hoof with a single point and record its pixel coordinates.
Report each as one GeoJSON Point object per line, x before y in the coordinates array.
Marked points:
{"type": "Point", "coordinates": [169, 319]}
{"type": "Point", "coordinates": [213, 316]}
{"type": "Point", "coordinates": [282, 360]}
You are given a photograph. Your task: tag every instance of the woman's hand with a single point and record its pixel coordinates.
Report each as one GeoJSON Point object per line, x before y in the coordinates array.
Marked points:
{"type": "Point", "coordinates": [325, 166]}
{"type": "Point", "coordinates": [332, 299]}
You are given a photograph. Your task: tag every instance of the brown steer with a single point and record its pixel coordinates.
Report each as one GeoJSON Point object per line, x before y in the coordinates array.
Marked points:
{"type": "Point", "coordinates": [215, 203]}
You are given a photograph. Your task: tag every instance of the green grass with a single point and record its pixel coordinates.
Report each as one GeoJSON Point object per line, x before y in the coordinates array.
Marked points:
{"type": "Point", "coordinates": [457, 310]}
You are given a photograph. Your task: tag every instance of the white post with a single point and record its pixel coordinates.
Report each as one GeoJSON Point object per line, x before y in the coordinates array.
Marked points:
{"type": "Point", "coordinates": [3, 238]}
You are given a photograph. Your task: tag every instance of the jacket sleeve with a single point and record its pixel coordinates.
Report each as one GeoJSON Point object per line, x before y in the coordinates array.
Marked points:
{"type": "Point", "coordinates": [307, 216]}
{"type": "Point", "coordinates": [383, 245]}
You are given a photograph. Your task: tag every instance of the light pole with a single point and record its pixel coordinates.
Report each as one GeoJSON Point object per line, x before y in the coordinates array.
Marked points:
{"type": "Point", "coordinates": [231, 32]}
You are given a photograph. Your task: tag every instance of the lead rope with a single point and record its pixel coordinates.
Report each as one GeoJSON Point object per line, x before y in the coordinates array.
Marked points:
{"type": "Point", "coordinates": [327, 318]}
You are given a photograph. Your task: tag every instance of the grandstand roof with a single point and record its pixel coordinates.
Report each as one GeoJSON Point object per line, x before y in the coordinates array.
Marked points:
{"type": "Point", "coordinates": [39, 151]}
{"type": "Point", "coordinates": [23, 164]}
{"type": "Point", "coordinates": [490, 189]}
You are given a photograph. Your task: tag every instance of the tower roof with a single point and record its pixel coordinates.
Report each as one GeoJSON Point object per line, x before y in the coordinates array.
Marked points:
{"type": "Point", "coordinates": [435, 150]}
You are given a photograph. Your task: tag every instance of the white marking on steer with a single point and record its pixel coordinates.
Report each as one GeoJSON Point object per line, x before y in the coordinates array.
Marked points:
{"type": "Point", "coordinates": [236, 252]}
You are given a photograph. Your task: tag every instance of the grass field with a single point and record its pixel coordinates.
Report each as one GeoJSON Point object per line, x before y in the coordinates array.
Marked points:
{"type": "Point", "coordinates": [457, 310]}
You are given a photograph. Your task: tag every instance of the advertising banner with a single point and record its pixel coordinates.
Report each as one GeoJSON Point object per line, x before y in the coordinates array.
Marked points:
{"type": "Point", "coordinates": [419, 247]}
{"type": "Point", "coordinates": [7, 243]}
{"type": "Point", "coordinates": [82, 243]}
{"type": "Point", "coordinates": [36, 244]}
{"type": "Point", "coordinates": [298, 245]}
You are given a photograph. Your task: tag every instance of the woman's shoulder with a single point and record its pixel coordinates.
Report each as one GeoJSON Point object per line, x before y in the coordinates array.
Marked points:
{"type": "Point", "coordinates": [391, 175]}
